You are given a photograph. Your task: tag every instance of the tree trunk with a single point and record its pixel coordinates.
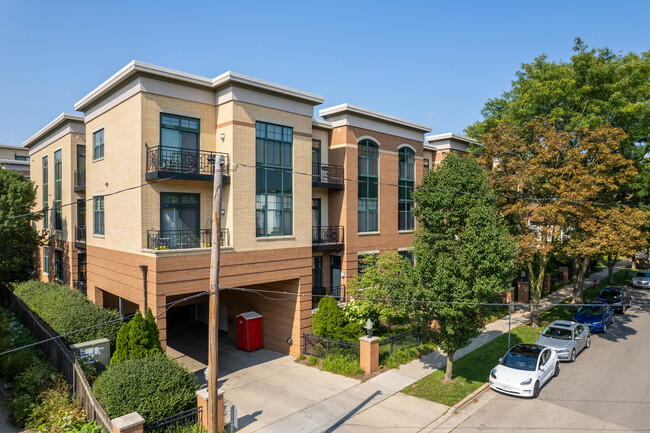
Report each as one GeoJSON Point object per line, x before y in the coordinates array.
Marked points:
{"type": "Point", "coordinates": [536, 286]}
{"type": "Point", "coordinates": [450, 366]}
{"type": "Point", "coordinates": [611, 262]}
{"type": "Point", "coordinates": [580, 269]}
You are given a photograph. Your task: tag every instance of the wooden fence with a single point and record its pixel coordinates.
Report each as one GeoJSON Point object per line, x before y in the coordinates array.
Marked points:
{"type": "Point", "coordinates": [62, 358]}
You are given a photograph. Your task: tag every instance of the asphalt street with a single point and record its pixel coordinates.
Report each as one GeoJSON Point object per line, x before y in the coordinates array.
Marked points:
{"type": "Point", "coordinates": [607, 389]}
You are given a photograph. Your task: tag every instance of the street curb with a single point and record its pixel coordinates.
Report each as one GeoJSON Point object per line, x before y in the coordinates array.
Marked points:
{"type": "Point", "coordinates": [469, 399]}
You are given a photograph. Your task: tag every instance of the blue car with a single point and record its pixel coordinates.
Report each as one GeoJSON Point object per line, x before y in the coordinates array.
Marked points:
{"type": "Point", "coordinates": [596, 315]}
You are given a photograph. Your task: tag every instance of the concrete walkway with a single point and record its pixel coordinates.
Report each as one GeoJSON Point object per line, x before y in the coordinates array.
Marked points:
{"type": "Point", "coordinates": [377, 403]}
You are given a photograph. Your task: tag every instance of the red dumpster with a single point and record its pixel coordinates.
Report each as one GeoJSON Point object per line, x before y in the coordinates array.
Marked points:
{"type": "Point", "coordinates": [250, 331]}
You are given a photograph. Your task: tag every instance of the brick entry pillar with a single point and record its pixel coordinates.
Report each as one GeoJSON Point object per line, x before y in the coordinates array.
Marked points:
{"type": "Point", "coordinates": [202, 402]}
{"type": "Point", "coordinates": [523, 292]}
{"type": "Point", "coordinates": [369, 354]}
{"type": "Point", "coordinates": [564, 274]}
{"type": "Point", "coordinates": [129, 423]}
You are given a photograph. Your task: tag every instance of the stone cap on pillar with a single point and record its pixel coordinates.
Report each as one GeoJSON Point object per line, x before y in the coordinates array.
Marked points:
{"type": "Point", "coordinates": [127, 421]}
{"type": "Point", "coordinates": [366, 339]}
{"type": "Point", "coordinates": [203, 393]}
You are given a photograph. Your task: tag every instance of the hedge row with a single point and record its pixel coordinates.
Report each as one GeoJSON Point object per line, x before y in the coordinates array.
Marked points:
{"type": "Point", "coordinates": [66, 310]}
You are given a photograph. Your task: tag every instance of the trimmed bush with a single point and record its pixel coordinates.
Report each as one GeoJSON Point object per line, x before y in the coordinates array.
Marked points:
{"type": "Point", "coordinates": [330, 321]}
{"type": "Point", "coordinates": [137, 338]}
{"type": "Point", "coordinates": [66, 310]}
{"type": "Point", "coordinates": [155, 386]}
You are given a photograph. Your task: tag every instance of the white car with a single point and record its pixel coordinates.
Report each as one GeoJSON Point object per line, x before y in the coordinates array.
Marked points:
{"type": "Point", "coordinates": [524, 370]}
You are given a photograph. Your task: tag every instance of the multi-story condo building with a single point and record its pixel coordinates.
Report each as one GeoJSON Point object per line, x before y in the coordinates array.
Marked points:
{"type": "Point", "coordinates": [303, 199]}
{"type": "Point", "coordinates": [14, 158]}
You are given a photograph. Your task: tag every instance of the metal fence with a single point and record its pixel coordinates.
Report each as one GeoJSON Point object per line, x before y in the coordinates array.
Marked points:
{"type": "Point", "coordinates": [176, 423]}
{"type": "Point", "coordinates": [322, 347]}
{"type": "Point", "coordinates": [394, 343]}
{"type": "Point", "coordinates": [61, 357]}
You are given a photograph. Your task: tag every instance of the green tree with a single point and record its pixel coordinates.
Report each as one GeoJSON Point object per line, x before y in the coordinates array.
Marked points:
{"type": "Point", "coordinates": [137, 338]}
{"type": "Point", "coordinates": [122, 346]}
{"type": "Point", "coordinates": [18, 239]}
{"type": "Point", "coordinates": [464, 253]}
{"type": "Point", "coordinates": [385, 276]}
{"type": "Point", "coordinates": [154, 335]}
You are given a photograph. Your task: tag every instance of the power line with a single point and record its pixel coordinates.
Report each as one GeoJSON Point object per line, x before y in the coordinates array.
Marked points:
{"type": "Point", "coordinates": [128, 316]}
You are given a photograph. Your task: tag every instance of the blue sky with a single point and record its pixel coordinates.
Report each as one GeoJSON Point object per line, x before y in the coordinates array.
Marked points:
{"type": "Point", "coordinates": [434, 63]}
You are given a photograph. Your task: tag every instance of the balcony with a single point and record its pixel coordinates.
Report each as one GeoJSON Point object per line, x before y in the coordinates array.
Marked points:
{"type": "Point", "coordinates": [319, 292]}
{"type": "Point", "coordinates": [165, 162]}
{"type": "Point", "coordinates": [80, 236]}
{"type": "Point", "coordinates": [328, 238]}
{"type": "Point", "coordinates": [183, 239]}
{"type": "Point", "coordinates": [327, 176]}
{"type": "Point", "coordinates": [80, 179]}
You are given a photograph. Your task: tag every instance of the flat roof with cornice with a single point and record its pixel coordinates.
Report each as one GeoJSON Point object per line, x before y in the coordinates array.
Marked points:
{"type": "Point", "coordinates": [375, 115]}
{"type": "Point", "coordinates": [227, 78]}
{"type": "Point", "coordinates": [451, 135]}
{"type": "Point", "coordinates": [60, 120]}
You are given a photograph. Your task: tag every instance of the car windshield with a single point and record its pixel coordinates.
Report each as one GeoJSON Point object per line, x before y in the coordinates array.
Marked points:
{"type": "Point", "coordinates": [610, 294]}
{"type": "Point", "coordinates": [560, 333]}
{"type": "Point", "coordinates": [643, 274]}
{"type": "Point", "coordinates": [520, 361]}
{"type": "Point", "coordinates": [590, 311]}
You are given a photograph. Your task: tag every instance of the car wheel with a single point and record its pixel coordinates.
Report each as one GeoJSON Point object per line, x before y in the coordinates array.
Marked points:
{"type": "Point", "coordinates": [573, 355]}
{"type": "Point", "coordinates": [556, 373]}
{"type": "Point", "coordinates": [588, 342]}
{"type": "Point", "coordinates": [536, 390]}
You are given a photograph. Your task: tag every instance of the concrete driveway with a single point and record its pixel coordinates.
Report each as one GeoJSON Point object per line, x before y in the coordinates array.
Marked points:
{"type": "Point", "coordinates": [607, 388]}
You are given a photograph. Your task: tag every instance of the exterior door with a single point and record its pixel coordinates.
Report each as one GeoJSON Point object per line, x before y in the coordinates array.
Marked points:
{"type": "Point", "coordinates": [335, 275]}
{"type": "Point", "coordinates": [179, 220]}
{"type": "Point", "coordinates": [316, 219]}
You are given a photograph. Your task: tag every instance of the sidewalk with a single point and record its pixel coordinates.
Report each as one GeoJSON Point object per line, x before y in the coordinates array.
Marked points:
{"type": "Point", "coordinates": [377, 403]}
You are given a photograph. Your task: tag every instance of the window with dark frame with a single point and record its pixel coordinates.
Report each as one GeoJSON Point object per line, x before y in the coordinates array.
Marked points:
{"type": "Point", "coordinates": [408, 255]}
{"type": "Point", "coordinates": [274, 180]}
{"type": "Point", "coordinates": [426, 165]}
{"type": "Point", "coordinates": [58, 264]}
{"type": "Point", "coordinates": [406, 221]}
{"type": "Point", "coordinates": [362, 262]}
{"type": "Point", "coordinates": [179, 132]}
{"type": "Point", "coordinates": [98, 144]}
{"type": "Point", "coordinates": [58, 192]}
{"type": "Point", "coordinates": [45, 192]}
{"type": "Point", "coordinates": [98, 215]}
{"type": "Point", "coordinates": [368, 203]}
{"type": "Point", "coordinates": [46, 260]}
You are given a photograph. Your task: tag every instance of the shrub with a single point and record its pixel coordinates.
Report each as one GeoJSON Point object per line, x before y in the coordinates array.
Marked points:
{"type": "Point", "coordinates": [346, 365]}
{"type": "Point", "coordinates": [155, 386]}
{"type": "Point", "coordinates": [399, 357]}
{"type": "Point", "coordinates": [26, 390]}
{"type": "Point", "coordinates": [90, 427]}
{"type": "Point", "coordinates": [56, 412]}
{"type": "Point", "coordinates": [329, 318]}
{"type": "Point", "coordinates": [313, 360]}
{"type": "Point", "coordinates": [54, 302]}
{"type": "Point", "coordinates": [137, 338]}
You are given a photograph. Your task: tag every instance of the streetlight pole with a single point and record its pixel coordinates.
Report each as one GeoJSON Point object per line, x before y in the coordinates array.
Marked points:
{"type": "Point", "coordinates": [213, 338]}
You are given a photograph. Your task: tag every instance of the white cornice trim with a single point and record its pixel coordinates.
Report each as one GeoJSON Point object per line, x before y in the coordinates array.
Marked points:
{"type": "Point", "coordinates": [451, 135]}
{"type": "Point", "coordinates": [60, 120]}
{"type": "Point", "coordinates": [353, 109]}
{"type": "Point", "coordinates": [317, 123]}
{"type": "Point", "coordinates": [229, 77]}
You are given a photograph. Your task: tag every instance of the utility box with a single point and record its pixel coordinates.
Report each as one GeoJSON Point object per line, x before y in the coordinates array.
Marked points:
{"type": "Point", "coordinates": [95, 352]}
{"type": "Point", "coordinates": [250, 333]}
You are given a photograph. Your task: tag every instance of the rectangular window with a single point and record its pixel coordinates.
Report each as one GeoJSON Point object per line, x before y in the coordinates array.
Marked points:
{"type": "Point", "coordinates": [406, 221]}
{"type": "Point", "coordinates": [98, 215]}
{"type": "Point", "coordinates": [58, 264]}
{"type": "Point", "coordinates": [46, 260]}
{"type": "Point", "coordinates": [368, 200]}
{"type": "Point", "coordinates": [98, 144]}
{"type": "Point", "coordinates": [408, 255]}
{"type": "Point", "coordinates": [179, 220]}
{"type": "Point", "coordinates": [273, 178]}
{"type": "Point", "coordinates": [315, 159]}
{"type": "Point", "coordinates": [45, 192]}
{"type": "Point", "coordinates": [426, 165]}
{"type": "Point", "coordinates": [22, 158]}
{"type": "Point", "coordinates": [364, 261]}
{"type": "Point", "coordinates": [58, 192]}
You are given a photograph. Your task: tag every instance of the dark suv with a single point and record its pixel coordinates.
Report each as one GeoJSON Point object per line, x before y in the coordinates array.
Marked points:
{"type": "Point", "coordinates": [618, 297]}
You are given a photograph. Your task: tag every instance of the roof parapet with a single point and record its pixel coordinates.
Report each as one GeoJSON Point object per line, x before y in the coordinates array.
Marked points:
{"type": "Point", "coordinates": [60, 120]}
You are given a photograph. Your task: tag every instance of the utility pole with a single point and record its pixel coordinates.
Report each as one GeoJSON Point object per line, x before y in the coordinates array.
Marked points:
{"type": "Point", "coordinates": [213, 338]}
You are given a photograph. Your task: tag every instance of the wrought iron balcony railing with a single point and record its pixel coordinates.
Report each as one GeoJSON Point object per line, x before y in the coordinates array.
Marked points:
{"type": "Point", "coordinates": [327, 175]}
{"type": "Point", "coordinates": [163, 161]}
{"type": "Point", "coordinates": [80, 235]}
{"type": "Point", "coordinates": [327, 237]}
{"type": "Point", "coordinates": [183, 239]}
{"type": "Point", "coordinates": [80, 179]}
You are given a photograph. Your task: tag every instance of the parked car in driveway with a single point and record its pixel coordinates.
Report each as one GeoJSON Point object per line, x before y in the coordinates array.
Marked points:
{"type": "Point", "coordinates": [567, 339]}
{"type": "Point", "coordinates": [524, 370]}
{"type": "Point", "coordinates": [595, 315]}
{"type": "Point", "coordinates": [641, 280]}
{"type": "Point", "coordinates": [619, 298]}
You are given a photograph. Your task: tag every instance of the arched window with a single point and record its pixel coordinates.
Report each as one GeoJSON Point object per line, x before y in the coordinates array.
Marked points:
{"type": "Point", "coordinates": [406, 185]}
{"type": "Point", "coordinates": [368, 188]}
